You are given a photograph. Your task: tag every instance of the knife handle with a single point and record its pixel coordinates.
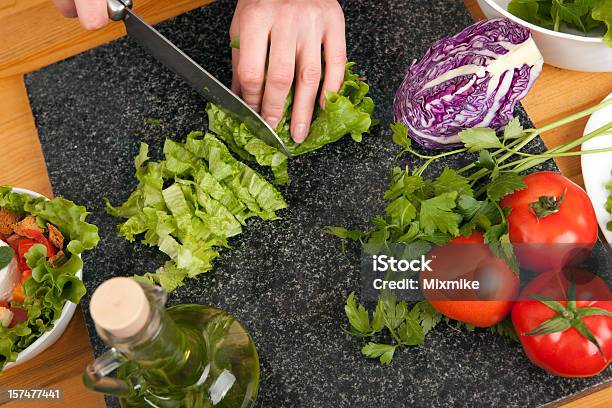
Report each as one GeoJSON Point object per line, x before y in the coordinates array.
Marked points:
{"type": "Point", "coordinates": [117, 9]}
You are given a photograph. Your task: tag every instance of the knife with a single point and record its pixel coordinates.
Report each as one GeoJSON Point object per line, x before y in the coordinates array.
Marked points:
{"type": "Point", "coordinates": [196, 76]}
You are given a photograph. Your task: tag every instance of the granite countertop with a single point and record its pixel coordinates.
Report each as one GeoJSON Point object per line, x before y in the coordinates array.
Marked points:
{"type": "Point", "coordinates": [286, 280]}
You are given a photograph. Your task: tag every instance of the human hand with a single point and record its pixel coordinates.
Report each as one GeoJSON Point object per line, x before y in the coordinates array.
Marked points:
{"type": "Point", "coordinates": [91, 13]}
{"type": "Point", "coordinates": [295, 30]}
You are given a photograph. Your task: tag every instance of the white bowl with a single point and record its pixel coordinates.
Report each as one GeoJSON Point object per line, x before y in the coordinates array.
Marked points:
{"type": "Point", "coordinates": [563, 50]}
{"type": "Point", "coordinates": [59, 326]}
{"type": "Point", "coordinates": [596, 168]}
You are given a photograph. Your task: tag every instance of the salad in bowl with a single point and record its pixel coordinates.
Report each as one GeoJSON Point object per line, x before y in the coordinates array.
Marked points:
{"type": "Point", "coordinates": [41, 242]}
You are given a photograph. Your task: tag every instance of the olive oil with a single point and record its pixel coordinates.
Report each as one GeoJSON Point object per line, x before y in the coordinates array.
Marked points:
{"type": "Point", "coordinates": [182, 356]}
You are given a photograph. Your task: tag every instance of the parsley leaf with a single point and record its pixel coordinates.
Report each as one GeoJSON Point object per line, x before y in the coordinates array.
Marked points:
{"type": "Point", "coordinates": [395, 312]}
{"type": "Point", "coordinates": [436, 214]}
{"type": "Point", "coordinates": [403, 183]}
{"type": "Point", "coordinates": [344, 233]}
{"type": "Point", "coordinates": [401, 211]}
{"type": "Point", "coordinates": [378, 321]}
{"type": "Point", "coordinates": [382, 351]}
{"type": "Point", "coordinates": [505, 328]}
{"type": "Point", "coordinates": [411, 333]}
{"type": "Point", "coordinates": [498, 240]}
{"type": "Point", "coordinates": [486, 160]}
{"type": "Point", "coordinates": [479, 138]}
{"type": "Point", "coordinates": [450, 180]}
{"type": "Point", "coordinates": [357, 315]}
{"type": "Point", "coordinates": [400, 135]}
{"type": "Point", "coordinates": [505, 184]}
{"type": "Point", "coordinates": [513, 129]}
{"type": "Point", "coordinates": [468, 206]}
{"type": "Point", "coordinates": [425, 314]}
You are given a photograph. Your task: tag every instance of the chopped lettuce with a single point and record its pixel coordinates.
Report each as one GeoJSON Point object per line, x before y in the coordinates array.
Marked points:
{"type": "Point", "coordinates": [50, 287]}
{"type": "Point", "coordinates": [348, 111]}
{"type": "Point", "coordinates": [200, 195]}
{"type": "Point", "coordinates": [191, 202]}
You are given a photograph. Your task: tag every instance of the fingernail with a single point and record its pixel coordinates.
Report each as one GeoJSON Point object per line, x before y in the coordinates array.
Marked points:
{"type": "Point", "coordinates": [299, 134]}
{"type": "Point", "coordinates": [272, 121]}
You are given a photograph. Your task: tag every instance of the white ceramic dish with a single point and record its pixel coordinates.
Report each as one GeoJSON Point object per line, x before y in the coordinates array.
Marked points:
{"type": "Point", "coordinates": [563, 50]}
{"type": "Point", "coordinates": [50, 337]}
{"type": "Point", "coordinates": [596, 167]}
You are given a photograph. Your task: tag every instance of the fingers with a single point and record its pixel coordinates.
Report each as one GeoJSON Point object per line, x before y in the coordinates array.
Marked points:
{"type": "Point", "coordinates": [295, 31]}
{"type": "Point", "coordinates": [254, 33]}
{"type": "Point", "coordinates": [66, 7]}
{"type": "Point", "coordinates": [235, 33]}
{"type": "Point", "coordinates": [334, 46]}
{"type": "Point", "coordinates": [92, 13]}
{"type": "Point", "coordinates": [235, 79]}
{"type": "Point", "coordinates": [308, 79]}
{"type": "Point", "coordinates": [280, 73]}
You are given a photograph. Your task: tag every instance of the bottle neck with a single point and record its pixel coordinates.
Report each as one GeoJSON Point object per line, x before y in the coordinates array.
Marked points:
{"type": "Point", "coordinates": [166, 355]}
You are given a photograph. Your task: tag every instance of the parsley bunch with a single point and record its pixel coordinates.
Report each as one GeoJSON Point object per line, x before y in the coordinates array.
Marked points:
{"type": "Point", "coordinates": [428, 211]}
{"type": "Point", "coordinates": [424, 212]}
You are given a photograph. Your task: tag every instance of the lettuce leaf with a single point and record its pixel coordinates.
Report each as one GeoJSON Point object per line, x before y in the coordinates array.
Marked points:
{"type": "Point", "coordinates": [200, 195]}
{"type": "Point", "coordinates": [50, 287]}
{"type": "Point", "coordinates": [68, 218]}
{"type": "Point", "coordinates": [191, 202]}
{"type": "Point", "coordinates": [603, 12]}
{"type": "Point", "coordinates": [348, 111]}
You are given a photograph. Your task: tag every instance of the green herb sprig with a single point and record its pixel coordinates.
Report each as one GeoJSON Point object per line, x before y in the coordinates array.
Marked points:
{"type": "Point", "coordinates": [423, 212]}
{"type": "Point", "coordinates": [505, 156]}
{"type": "Point", "coordinates": [433, 211]}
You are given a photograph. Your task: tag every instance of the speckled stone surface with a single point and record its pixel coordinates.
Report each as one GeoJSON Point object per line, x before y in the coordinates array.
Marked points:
{"type": "Point", "coordinates": [285, 280]}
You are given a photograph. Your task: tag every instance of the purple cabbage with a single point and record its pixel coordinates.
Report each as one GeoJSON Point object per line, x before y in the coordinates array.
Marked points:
{"type": "Point", "coordinates": [473, 79]}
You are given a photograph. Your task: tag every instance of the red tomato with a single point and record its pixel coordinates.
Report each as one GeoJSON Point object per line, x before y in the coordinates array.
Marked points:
{"type": "Point", "coordinates": [566, 351]}
{"type": "Point", "coordinates": [23, 246]}
{"type": "Point", "coordinates": [550, 233]}
{"type": "Point", "coordinates": [40, 239]}
{"type": "Point", "coordinates": [19, 316]}
{"type": "Point", "coordinates": [4, 304]}
{"type": "Point", "coordinates": [469, 258]}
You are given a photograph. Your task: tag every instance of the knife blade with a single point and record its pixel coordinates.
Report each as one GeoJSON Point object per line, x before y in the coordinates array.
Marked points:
{"type": "Point", "coordinates": [197, 77]}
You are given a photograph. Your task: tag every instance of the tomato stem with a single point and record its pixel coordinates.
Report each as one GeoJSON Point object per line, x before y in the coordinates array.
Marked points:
{"type": "Point", "coordinates": [568, 316]}
{"type": "Point", "coordinates": [547, 205]}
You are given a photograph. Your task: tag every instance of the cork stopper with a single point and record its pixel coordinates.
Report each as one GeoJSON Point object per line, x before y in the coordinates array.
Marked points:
{"type": "Point", "coordinates": [120, 307]}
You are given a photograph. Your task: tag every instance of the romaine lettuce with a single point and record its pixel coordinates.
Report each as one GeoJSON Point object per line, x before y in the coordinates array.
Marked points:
{"type": "Point", "coordinates": [348, 111]}
{"type": "Point", "coordinates": [207, 198]}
